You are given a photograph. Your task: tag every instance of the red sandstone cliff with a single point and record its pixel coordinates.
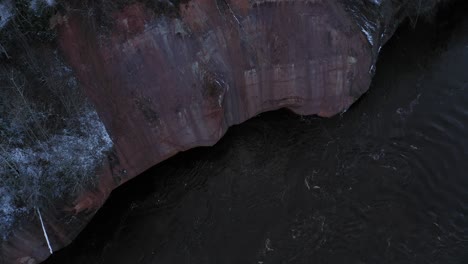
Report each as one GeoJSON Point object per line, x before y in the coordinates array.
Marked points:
{"type": "Point", "coordinates": [167, 81]}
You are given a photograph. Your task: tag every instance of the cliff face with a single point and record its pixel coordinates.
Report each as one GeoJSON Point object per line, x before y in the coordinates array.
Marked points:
{"type": "Point", "coordinates": [164, 85]}
{"type": "Point", "coordinates": [174, 75]}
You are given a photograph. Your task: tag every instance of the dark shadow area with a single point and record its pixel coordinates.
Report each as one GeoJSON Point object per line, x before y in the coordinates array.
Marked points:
{"type": "Point", "coordinates": [384, 182]}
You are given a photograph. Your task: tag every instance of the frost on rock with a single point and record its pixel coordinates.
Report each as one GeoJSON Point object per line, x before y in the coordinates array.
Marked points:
{"type": "Point", "coordinates": [368, 29]}
{"type": "Point", "coordinates": [51, 139]}
{"type": "Point", "coordinates": [64, 164]}
{"type": "Point", "coordinates": [368, 15]}
{"type": "Point", "coordinates": [7, 9]}
{"type": "Point", "coordinates": [35, 3]}
{"type": "Point", "coordinates": [377, 2]}
{"type": "Point", "coordinates": [8, 212]}
{"type": "Point", "coordinates": [6, 12]}
{"type": "Point", "coordinates": [378, 19]}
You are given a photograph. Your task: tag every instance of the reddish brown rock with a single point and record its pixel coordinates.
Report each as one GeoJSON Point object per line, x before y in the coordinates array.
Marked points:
{"type": "Point", "coordinates": [164, 85]}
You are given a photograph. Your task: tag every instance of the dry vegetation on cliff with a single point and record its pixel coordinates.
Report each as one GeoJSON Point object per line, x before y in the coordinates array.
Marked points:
{"type": "Point", "coordinates": [51, 138]}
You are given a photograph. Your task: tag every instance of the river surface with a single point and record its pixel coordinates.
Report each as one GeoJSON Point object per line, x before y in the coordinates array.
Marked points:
{"type": "Point", "coordinates": [384, 182]}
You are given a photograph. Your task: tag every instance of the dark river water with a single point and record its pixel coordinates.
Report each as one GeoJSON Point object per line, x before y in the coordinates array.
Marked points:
{"type": "Point", "coordinates": [385, 182]}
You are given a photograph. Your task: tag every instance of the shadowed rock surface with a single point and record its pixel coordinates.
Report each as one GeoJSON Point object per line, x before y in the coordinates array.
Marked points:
{"type": "Point", "coordinates": [174, 75]}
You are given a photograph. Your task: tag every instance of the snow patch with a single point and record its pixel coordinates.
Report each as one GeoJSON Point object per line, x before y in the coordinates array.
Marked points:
{"type": "Point", "coordinates": [6, 13]}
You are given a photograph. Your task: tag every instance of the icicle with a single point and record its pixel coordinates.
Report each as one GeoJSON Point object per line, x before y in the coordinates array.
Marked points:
{"type": "Point", "coordinates": [45, 232]}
